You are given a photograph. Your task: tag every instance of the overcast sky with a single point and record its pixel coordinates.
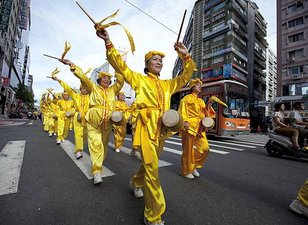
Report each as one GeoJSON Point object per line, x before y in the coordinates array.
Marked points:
{"type": "Point", "coordinates": [55, 21]}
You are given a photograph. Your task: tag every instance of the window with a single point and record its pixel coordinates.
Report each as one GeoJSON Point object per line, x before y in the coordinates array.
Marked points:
{"type": "Point", "coordinates": [218, 26]}
{"type": "Point", "coordinates": [296, 53]}
{"type": "Point", "coordinates": [219, 6]}
{"type": "Point", "coordinates": [296, 37]}
{"type": "Point", "coordinates": [295, 70]}
{"type": "Point", "coordinates": [217, 60]}
{"type": "Point", "coordinates": [296, 22]}
{"type": "Point", "coordinates": [218, 38]}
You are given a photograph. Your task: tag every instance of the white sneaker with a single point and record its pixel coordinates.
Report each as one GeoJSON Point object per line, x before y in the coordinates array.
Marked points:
{"type": "Point", "coordinates": [50, 135]}
{"type": "Point", "coordinates": [298, 207]}
{"type": "Point", "coordinates": [54, 134]}
{"type": "Point", "coordinates": [189, 176]}
{"type": "Point", "coordinates": [58, 142]}
{"type": "Point", "coordinates": [137, 191]}
{"type": "Point", "coordinates": [196, 173]}
{"type": "Point", "coordinates": [146, 222]}
{"type": "Point", "coordinates": [63, 140]}
{"type": "Point", "coordinates": [97, 178]}
{"type": "Point", "coordinates": [78, 155]}
{"type": "Point", "coordinates": [117, 150]}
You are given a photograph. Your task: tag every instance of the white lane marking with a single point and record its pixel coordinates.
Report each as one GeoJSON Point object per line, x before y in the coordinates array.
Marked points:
{"type": "Point", "coordinates": [227, 147]}
{"type": "Point", "coordinates": [11, 158]}
{"type": "Point", "coordinates": [248, 142]}
{"type": "Point", "coordinates": [176, 143]}
{"type": "Point", "coordinates": [180, 152]}
{"type": "Point", "coordinates": [234, 144]}
{"type": "Point", "coordinates": [161, 163]}
{"type": "Point", "coordinates": [84, 164]}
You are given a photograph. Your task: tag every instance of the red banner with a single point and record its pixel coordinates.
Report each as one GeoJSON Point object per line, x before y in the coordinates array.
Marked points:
{"type": "Point", "coordinates": [5, 81]}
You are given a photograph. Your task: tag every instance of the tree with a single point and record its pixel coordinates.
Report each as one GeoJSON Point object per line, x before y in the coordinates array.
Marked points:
{"type": "Point", "coordinates": [24, 95]}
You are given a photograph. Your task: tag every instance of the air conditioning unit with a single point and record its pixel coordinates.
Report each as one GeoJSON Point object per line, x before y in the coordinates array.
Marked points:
{"type": "Point", "coordinates": [291, 59]}
{"type": "Point", "coordinates": [297, 76]}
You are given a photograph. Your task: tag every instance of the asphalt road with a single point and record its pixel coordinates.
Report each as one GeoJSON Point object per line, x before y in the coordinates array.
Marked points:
{"type": "Point", "coordinates": [240, 185]}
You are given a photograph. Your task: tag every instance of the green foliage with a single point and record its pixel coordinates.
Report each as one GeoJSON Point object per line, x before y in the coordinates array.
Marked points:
{"type": "Point", "coordinates": [24, 94]}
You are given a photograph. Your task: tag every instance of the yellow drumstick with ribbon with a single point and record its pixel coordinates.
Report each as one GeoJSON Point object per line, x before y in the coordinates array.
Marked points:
{"type": "Point", "coordinates": [88, 71]}
{"type": "Point", "coordinates": [100, 26]}
{"type": "Point", "coordinates": [67, 47]}
{"type": "Point", "coordinates": [53, 73]}
{"type": "Point", "coordinates": [215, 99]}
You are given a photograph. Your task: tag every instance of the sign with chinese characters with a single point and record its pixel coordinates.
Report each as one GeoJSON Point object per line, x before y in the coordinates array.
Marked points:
{"type": "Point", "coordinates": [5, 14]}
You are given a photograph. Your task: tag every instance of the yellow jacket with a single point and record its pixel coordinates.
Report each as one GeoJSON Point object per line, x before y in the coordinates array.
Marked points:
{"type": "Point", "coordinates": [193, 110]}
{"type": "Point", "coordinates": [81, 102]}
{"type": "Point", "coordinates": [152, 100]}
{"type": "Point", "coordinates": [101, 100]}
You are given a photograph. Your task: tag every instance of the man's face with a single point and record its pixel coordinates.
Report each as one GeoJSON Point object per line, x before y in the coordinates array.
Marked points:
{"type": "Point", "coordinates": [155, 64]}
{"type": "Point", "coordinates": [197, 88]}
{"type": "Point", "coordinates": [65, 96]}
{"type": "Point", "coordinates": [83, 91]}
{"type": "Point", "coordinates": [104, 81]}
{"type": "Point", "coordinates": [302, 106]}
{"type": "Point", "coordinates": [121, 97]}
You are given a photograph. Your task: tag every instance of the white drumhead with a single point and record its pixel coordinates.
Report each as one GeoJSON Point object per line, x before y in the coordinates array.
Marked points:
{"type": "Point", "coordinates": [208, 122]}
{"type": "Point", "coordinates": [116, 116]}
{"type": "Point", "coordinates": [68, 113]}
{"type": "Point", "coordinates": [171, 118]}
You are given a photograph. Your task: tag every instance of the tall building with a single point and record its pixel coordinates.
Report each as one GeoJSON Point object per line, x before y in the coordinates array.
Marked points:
{"type": "Point", "coordinates": [292, 50]}
{"type": "Point", "coordinates": [271, 82]}
{"type": "Point", "coordinates": [14, 51]}
{"type": "Point", "coordinates": [226, 38]}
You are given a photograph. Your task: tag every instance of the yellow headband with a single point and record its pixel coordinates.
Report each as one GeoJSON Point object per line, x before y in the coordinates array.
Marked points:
{"type": "Point", "coordinates": [65, 93]}
{"type": "Point", "coordinates": [150, 54]}
{"type": "Point", "coordinates": [194, 82]}
{"type": "Point", "coordinates": [101, 74]}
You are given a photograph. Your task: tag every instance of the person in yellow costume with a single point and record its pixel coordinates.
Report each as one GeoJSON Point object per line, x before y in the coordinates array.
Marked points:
{"type": "Point", "coordinates": [300, 204]}
{"type": "Point", "coordinates": [53, 118]}
{"type": "Point", "coordinates": [120, 130]}
{"type": "Point", "coordinates": [152, 100]}
{"type": "Point", "coordinates": [66, 111]}
{"type": "Point", "coordinates": [195, 146]}
{"type": "Point", "coordinates": [81, 104]}
{"type": "Point", "coordinates": [102, 104]}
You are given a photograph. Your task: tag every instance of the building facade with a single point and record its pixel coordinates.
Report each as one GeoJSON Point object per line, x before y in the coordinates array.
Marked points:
{"type": "Point", "coordinates": [226, 38]}
{"type": "Point", "coordinates": [292, 50]}
{"type": "Point", "coordinates": [14, 49]}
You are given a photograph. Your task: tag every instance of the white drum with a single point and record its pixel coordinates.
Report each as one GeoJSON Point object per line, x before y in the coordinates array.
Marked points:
{"type": "Point", "coordinates": [172, 120]}
{"type": "Point", "coordinates": [117, 118]}
{"type": "Point", "coordinates": [68, 114]}
{"type": "Point", "coordinates": [208, 122]}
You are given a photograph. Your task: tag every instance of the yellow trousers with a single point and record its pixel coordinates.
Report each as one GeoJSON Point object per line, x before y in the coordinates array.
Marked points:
{"type": "Point", "coordinates": [80, 134]}
{"type": "Point", "coordinates": [148, 179]}
{"type": "Point", "coordinates": [63, 126]}
{"type": "Point", "coordinates": [72, 123]}
{"type": "Point", "coordinates": [119, 135]}
{"type": "Point", "coordinates": [46, 121]}
{"type": "Point", "coordinates": [51, 125]}
{"type": "Point", "coordinates": [194, 152]}
{"type": "Point", "coordinates": [98, 146]}
{"type": "Point", "coordinates": [303, 193]}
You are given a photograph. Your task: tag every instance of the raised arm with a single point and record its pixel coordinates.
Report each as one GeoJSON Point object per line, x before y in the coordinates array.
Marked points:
{"type": "Point", "coordinates": [115, 59]}
{"type": "Point", "coordinates": [66, 87]}
{"type": "Point", "coordinates": [188, 68]}
{"type": "Point", "coordinates": [117, 86]}
{"type": "Point", "coordinates": [77, 71]}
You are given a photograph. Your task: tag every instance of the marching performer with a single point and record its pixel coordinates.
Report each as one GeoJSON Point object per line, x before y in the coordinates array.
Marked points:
{"type": "Point", "coordinates": [195, 147]}
{"type": "Point", "coordinates": [81, 104]}
{"type": "Point", "coordinates": [152, 100]}
{"type": "Point", "coordinates": [120, 130]}
{"type": "Point", "coordinates": [66, 111]}
{"type": "Point", "coordinates": [102, 104]}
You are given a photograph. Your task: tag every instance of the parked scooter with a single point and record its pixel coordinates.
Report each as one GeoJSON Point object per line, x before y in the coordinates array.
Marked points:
{"type": "Point", "coordinates": [279, 145]}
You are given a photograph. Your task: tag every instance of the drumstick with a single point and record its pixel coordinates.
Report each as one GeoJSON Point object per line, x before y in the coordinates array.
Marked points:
{"type": "Point", "coordinates": [51, 57]}
{"type": "Point", "coordinates": [179, 34]}
{"type": "Point", "coordinates": [85, 12]}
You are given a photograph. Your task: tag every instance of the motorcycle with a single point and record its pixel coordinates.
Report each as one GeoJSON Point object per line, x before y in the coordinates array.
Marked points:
{"type": "Point", "coordinates": [279, 145]}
